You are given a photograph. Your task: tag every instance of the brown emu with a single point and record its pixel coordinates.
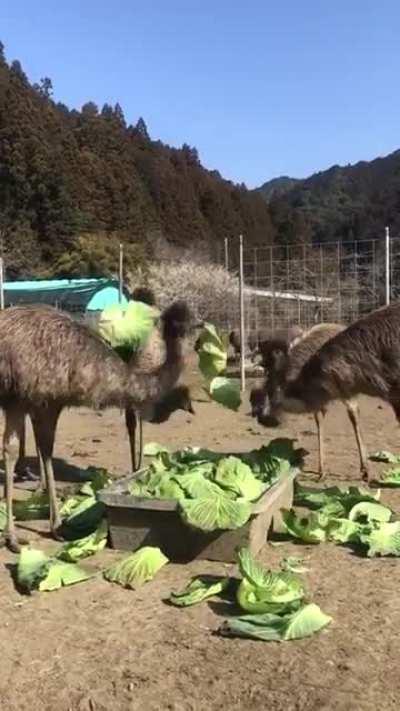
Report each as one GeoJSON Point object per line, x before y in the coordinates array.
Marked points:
{"type": "Point", "coordinates": [256, 341]}
{"type": "Point", "coordinates": [148, 359]}
{"type": "Point", "coordinates": [362, 359]}
{"type": "Point", "coordinates": [283, 362]}
{"type": "Point", "coordinates": [49, 361]}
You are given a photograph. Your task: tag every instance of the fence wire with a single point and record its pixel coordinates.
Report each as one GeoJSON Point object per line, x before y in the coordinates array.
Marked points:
{"type": "Point", "coordinates": [301, 284]}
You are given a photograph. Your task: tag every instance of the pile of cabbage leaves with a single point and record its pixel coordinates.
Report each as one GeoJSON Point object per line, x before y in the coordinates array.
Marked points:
{"type": "Point", "coordinates": [273, 605]}
{"type": "Point", "coordinates": [214, 491]}
{"type": "Point", "coordinates": [351, 516]}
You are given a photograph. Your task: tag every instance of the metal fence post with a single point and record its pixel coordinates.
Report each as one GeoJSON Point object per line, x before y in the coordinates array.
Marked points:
{"type": "Point", "coordinates": [226, 254]}
{"type": "Point", "coordinates": [121, 272]}
{"type": "Point", "coordinates": [241, 311]}
{"type": "Point", "coordinates": [387, 269]}
{"type": "Point", "coordinates": [1, 283]}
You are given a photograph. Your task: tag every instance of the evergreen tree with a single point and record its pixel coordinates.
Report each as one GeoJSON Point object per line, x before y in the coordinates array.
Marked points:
{"type": "Point", "coordinates": [107, 112]}
{"type": "Point", "coordinates": [119, 115]}
{"type": "Point", "coordinates": [44, 88]}
{"type": "Point", "coordinates": [90, 109]}
{"type": "Point", "coordinates": [16, 70]}
{"type": "Point", "coordinates": [141, 129]}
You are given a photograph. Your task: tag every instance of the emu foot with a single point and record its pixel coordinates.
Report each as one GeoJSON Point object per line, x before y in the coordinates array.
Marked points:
{"type": "Point", "coordinates": [321, 475]}
{"type": "Point", "coordinates": [366, 476]}
{"type": "Point", "coordinates": [40, 489]}
{"type": "Point", "coordinates": [56, 530]}
{"type": "Point", "coordinates": [24, 473]}
{"type": "Point", "coordinates": [13, 542]}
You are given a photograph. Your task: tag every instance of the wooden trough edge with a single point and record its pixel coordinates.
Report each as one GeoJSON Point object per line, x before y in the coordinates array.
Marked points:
{"type": "Point", "coordinates": [115, 495]}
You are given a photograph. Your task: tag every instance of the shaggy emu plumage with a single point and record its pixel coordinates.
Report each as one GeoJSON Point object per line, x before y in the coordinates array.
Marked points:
{"type": "Point", "coordinates": [146, 360]}
{"type": "Point", "coordinates": [362, 359]}
{"type": "Point", "coordinates": [149, 358]}
{"type": "Point", "coordinates": [49, 361]}
{"type": "Point", "coordinates": [283, 362]}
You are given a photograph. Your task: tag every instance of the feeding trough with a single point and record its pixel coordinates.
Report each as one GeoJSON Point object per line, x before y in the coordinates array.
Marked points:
{"type": "Point", "coordinates": [135, 521]}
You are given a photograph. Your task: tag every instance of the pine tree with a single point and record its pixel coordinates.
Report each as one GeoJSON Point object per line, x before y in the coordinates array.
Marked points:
{"type": "Point", "coordinates": [90, 110]}
{"type": "Point", "coordinates": [119, 115]}
{"type": "Point", "coordinates": [107, 112]}
{"type": "Point", "coordinates": [141, 129]}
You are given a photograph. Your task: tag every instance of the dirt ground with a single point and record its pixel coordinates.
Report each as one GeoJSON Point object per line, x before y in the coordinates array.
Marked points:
{"type": "Point", "coordinates": [97, 647]}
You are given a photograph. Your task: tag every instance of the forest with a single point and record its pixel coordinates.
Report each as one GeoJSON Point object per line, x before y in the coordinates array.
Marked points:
{"type": "Point", "coordinates": [76, 183]}
{"type": "Point", "coordinates": [348, 203]}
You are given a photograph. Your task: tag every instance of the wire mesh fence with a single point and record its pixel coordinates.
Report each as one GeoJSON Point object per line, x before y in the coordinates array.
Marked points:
{"type": "Point", "coordinates": [304, 285]}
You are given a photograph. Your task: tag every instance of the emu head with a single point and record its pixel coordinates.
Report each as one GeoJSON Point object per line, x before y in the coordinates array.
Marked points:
{"type": "Point", "coordinates": [178, 321]}
{"type": "Point", "coordinates": [178, 399]}
{"type": "Point", "coordinates": [275, 353]}
{"type": "Point", "coordinates": [144, 295]}
{"type": "Point", "coordinates": [234, 340]}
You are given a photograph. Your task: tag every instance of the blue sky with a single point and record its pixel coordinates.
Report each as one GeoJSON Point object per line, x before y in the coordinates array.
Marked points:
{"type": "Point", "coordinates": [261, 88]}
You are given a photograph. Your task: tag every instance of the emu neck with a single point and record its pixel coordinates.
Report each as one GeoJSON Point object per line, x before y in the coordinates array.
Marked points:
{"type": "Point", "coordinates": [151, 386]}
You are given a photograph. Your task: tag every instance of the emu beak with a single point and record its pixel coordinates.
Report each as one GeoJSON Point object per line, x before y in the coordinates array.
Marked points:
{"type": "Point", "coordinates": [268, 421]}
{"type": "Point", "coordinates": [190, 409]}
{"type": "Point", "coordinates": [199, 324]}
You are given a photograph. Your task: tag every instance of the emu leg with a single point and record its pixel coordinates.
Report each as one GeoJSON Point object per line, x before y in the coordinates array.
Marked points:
{"type": "Point", "coordinates": [354, 417]}
{"type": "Point", "coordinates": [21, 467]}
{"type": "Point", "coordinates": [42, 479]}
{"type": "Point", "coordinates": [44, 421]}
{"type": "Point", "coordinates": [22, 444]}
{"type": "Point", "coordinates": [319, 419]}
{"type": "Point", "coordinates": [14, 422]}
{"type": "Point", "coordinates": [134, 422]}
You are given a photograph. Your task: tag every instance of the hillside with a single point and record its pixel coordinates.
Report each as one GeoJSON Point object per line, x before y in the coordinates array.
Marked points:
{"type": "Point", "coordinates": [277, 187]}
{"type": "Point", "coordinates": [73, 184]}
{"type": "Point", "coordinates": [342, 203]}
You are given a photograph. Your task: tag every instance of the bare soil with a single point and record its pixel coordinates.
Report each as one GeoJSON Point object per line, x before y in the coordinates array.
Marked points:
{"type": "Point", "coordinates": [97, 647]}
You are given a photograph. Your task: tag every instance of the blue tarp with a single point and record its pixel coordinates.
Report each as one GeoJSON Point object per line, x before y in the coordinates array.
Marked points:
{"type": "Point", "coordinates": [76, 295]}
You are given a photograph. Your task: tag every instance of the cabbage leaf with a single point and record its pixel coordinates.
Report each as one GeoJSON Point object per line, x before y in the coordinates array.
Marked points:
{"type": "Point", "coordinates": [85, 514]}
{"type": "Point", "coordinates": [367, 511]}
{"type": "Point", "coordinates": [236, 476]}
{"type": "Point", "coordinates": [212, 352]}
{"type": "Point", "coordinates": [384, 456]}
{"type": "Point", "coordinates": [262, 591]}
{"type": "Point", "coordinates": [84, 547]}
{"type": "Point", "coordinates": [383, 539]}
{"type": "Point", "coordinates": [33, 508]}
{"type": "Point", "coordinates": [3, 515]}
{"type": "Point", "coordinates": [341, 530]}
{"type": "Point", "coordinates": [127, 327]}
{"type": "Point", "coordinates": [198, 589]}
{"type": "Point", "coordinates": [215, 512]}
{"type": "Point", "coordinates": [271, 627]}
{"type": "Point", "coordinates": [138, 568]}
{"type": "Point", "coordinates": [391, 477]}
{"type": "Point", "coordinates": [309, 529]}
{"type": "Point", "coordinates": [226, 392]}
{"type": "Point", "coordinates": [153, 449]}
{"type": "Point", "coordinates": [35, 570]}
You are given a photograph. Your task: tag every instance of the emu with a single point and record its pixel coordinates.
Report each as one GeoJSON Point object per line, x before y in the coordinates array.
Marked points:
{"type": "Point", "coordinates": [146, 360]}
{"type": "Point", "coordinates": [283, 360]}
{"type": "Point", "coordinates": [362, 359]}
{"type": "Point", "coordinates": [71, 367]}
{"type": "Point", "coordinates": [256, 341]}
{"type": "Point", "coordinates": [149, 358]}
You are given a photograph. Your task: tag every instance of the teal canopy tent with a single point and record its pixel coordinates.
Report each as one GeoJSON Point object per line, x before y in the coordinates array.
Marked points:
{"type": "Point", "coordinates": [81, 296]}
